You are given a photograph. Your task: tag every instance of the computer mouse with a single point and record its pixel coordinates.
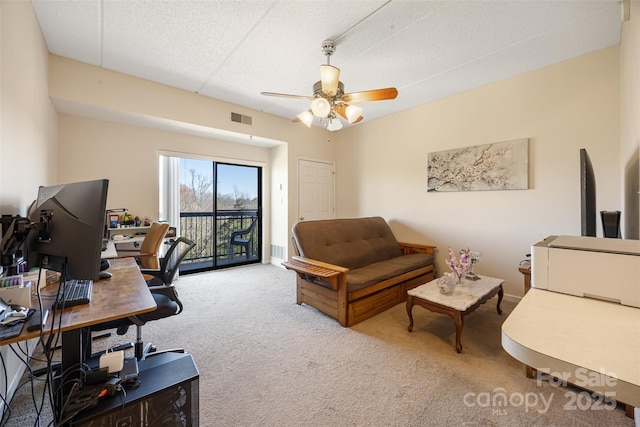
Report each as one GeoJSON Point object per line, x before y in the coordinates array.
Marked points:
{"type": "Point", "coordinates": [105, 275]}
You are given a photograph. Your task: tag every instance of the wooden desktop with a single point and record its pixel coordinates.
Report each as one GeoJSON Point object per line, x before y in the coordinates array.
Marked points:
{"type": "Point", "coordinates": [124, 294]}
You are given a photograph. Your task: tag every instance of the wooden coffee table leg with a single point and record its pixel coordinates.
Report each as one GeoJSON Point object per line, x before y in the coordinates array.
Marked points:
{"type": "Point", "coordinates": [409, 308]}
{"type": "Point", "coordinates": [457, 319]}
{"type": "Point", "coordinates": [500, 295]}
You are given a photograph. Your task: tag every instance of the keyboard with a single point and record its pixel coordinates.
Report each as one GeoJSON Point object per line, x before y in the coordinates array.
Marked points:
{"type": "Point", "coordinates": [76, 292]}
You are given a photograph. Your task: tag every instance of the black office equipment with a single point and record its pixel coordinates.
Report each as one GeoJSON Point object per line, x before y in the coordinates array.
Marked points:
{"type": "Point", "coordinates": [587, 195]}
{"type": "Point", "coordinates": [70, 220]}
{"type": "Point", "coordinates": [75, 292]}
{"type": "Point", "coordinates": [610, 224]}
{"type": "Point", "coordinates": [163, 292]}
{"type": "Point", "coordinates": [166, 393]}
{"type": "Point", "coordinates": [36, 321]}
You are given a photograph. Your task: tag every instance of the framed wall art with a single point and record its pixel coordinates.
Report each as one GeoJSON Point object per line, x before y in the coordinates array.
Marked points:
{"type": "Point", "coordinates": [496, 166]}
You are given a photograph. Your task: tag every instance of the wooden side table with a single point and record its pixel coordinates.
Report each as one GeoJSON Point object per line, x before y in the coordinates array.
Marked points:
{"type": "Point", "coordinates": [525, 269]}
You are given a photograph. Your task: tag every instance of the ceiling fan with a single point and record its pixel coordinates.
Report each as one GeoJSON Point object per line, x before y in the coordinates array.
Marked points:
{"type": "Point", "coordinates": [329, 100]}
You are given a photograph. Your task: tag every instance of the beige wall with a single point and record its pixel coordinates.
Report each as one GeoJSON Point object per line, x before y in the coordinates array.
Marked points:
{"type": "Point", "coordinates": [561, 108]}
{"type": "Point", "coordinates": [27, 116]}
{"type": "Point", "coordinates": [630, 122]}
{"type": "Point", "coordinates": [118, 148]}
{"type": "Point", "coordinates": [27, 131]}
{"type": "Point", "coordinates": [128, 157]}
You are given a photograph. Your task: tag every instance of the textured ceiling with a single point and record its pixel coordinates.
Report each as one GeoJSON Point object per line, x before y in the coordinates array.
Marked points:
{"type": "Point", "coordinates": [233, 50]}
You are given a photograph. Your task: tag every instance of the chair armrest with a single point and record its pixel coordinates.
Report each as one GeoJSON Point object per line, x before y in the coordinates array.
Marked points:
{"type": "Point", "coordinates": [136, 255]}
{"type": "Point", "coordinates": [168, 291]}
{"type": "Point", "coordinates": [330, 273]}
{"type": "Point", "coordinates": [413, 248]}
{"type": "Point", "coordinates": [149, 272]}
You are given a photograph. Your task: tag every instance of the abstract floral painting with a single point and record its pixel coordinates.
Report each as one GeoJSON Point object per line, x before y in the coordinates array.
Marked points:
{"type": "Point", "coordinates": [497, 166]}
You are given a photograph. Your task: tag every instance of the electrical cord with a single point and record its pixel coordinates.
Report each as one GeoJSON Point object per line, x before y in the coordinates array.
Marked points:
{"type": "Point", "coordinates": [6, 410]}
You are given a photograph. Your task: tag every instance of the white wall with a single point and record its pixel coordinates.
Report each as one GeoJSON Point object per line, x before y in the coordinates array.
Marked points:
{"type": "Point", "coordinates": [27, 132]}
{"type": "Point", "coordinates": [279, 201]}
{"type": "Point", "coordinates": [382, 164]}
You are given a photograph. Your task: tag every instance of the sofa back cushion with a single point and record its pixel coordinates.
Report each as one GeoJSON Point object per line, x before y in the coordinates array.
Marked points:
{"type": "Point", "coordinates": [348, 242]}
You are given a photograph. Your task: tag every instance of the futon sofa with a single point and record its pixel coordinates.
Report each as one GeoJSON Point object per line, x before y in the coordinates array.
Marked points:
{"type": "Point", "coordinates": [354, 268]}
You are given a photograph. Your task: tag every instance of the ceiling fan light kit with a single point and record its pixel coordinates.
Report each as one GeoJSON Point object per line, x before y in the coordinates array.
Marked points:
{"type": "Point", "coordinates": [353, 112]}
{"type": "Point", "coordinates": [320, 107]}
{"type": "Point", "coordinates": [334, 124]}
{"type": "Point", "coordinates": [306, 117]}
{"type": "Point", "coordinates": [329, 76]}
{"type": "Point", "coordinates": [329, 100]}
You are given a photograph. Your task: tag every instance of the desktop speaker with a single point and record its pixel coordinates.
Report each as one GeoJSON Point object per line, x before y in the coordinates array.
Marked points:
{"type": "Point", "coordinates": [610, 223]}
{"type": "Point", "coordinates": [166, 393]}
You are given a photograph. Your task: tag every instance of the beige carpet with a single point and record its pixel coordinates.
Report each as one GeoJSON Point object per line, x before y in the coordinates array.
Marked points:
{"type": "Point", "coordinates": [265, 361]}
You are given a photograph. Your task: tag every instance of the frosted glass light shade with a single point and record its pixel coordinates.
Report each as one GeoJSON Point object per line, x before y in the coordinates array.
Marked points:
{"type": "Point", "coordinates": [353, 112]}
{"type": "Point", "coordinates": [329, 76]}
{"type": "Point", "coordinates": [306, 117]}
{"type": "Point", "coordinates": [320, 107]}
{"type": "Point", "coordinates": [334, 124]}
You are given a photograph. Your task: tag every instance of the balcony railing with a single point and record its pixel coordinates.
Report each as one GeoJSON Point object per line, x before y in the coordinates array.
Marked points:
{"type": "Point", "coordinates": [212, 238]}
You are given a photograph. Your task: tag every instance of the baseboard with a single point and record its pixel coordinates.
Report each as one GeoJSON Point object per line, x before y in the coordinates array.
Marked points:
{"type": "Point", "coordinates": [512, 298]}
{"type": "Point", "coordinates": [277, 262]}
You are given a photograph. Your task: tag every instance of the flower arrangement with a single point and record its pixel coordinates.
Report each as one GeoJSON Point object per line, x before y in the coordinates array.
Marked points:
{"type": "Point", "coordinates": [461, 264]}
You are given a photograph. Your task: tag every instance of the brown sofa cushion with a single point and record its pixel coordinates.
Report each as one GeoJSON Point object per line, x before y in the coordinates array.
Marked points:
{"type": "Point", "coordinates": [350, 242]}
{"type": "Point", "coordinates": [363, 277]}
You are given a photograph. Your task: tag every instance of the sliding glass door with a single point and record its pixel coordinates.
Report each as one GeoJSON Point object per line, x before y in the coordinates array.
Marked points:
{"type": "Point", "coordinates": [226, 228]}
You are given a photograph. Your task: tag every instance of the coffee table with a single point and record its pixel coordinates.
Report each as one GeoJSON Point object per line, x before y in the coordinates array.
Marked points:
{"type": "Point", "coordinates": [461, 302]}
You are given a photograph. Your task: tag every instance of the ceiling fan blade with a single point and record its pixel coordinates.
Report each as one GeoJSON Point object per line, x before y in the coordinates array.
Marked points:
{"type": "Point", "coordinates": [285, 95]}
{"type": "Point", "coordinates": [371, 95]}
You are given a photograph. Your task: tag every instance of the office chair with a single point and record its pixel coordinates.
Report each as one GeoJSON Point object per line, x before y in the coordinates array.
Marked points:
{"type": "Point", "coordinates": [237, 239]}
{"type": "Point", "coordinates": [164, 293]}
{"type": "Point", "coordinates": [147, 256]}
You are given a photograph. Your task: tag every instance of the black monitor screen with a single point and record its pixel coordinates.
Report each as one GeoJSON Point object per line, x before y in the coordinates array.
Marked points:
{"type": "Point", "coordinates": [71, 219]}
{"type": "Point", "coordinates": [587, 195]}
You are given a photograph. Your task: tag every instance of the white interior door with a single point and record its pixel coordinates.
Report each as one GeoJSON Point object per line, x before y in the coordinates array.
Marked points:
{"type": "Point", "coordinates": [316, 188]}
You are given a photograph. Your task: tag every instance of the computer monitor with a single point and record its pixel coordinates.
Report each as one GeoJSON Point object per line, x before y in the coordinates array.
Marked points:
{"type": "Point", "coordinates": [68, 227]}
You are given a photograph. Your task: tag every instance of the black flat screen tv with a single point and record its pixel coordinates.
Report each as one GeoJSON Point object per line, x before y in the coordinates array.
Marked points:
{"type": "Point", "coordinates": [71, 220]}
{"type": "Point", "coordinates": [587, 195]}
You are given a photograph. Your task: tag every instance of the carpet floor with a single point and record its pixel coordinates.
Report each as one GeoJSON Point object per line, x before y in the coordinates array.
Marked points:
{"type": "Point", "coordinates": [266, 361]}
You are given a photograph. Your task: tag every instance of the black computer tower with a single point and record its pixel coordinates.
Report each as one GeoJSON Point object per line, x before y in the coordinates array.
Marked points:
{"type": "Point", "coordinates": [167, 394]}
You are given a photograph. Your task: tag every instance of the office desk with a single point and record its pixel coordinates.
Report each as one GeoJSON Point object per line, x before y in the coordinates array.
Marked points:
{"type": "Point", "coordinates": [589, 343]}
{"type": "Point", "coordinates": [123, 295]}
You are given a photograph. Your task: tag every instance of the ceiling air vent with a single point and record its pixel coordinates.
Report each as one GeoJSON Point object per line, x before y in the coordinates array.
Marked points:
{"type": "Point", "coordinates": [239, 118]}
